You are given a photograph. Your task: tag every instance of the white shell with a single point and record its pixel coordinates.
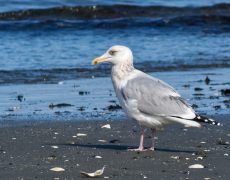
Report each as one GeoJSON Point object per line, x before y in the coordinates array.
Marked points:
{"type": "Point", "coordinates": [57, 169]}
{"type": "Point", "coordinates": [98, 157]}
{"type": "Point", "coordinates": [94, 174]}
{"type": "Point", "coordinates": [196, 166]}
{"type": "Point", "coordinates": [107, 126]}
{"type": "Point", "coordinates": [175, 157]}
{"type": "Point", "coordinates": [102, 140]}
{"type": "Point", "coordinates": [81, 134]}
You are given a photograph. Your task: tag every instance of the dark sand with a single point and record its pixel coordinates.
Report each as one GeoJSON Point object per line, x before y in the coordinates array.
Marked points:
{"type": "Point", "coordinates": [26, 152]}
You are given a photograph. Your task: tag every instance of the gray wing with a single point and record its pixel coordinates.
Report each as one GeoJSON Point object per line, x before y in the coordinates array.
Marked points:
{"type": "Point", "coordinates": [154, 97]}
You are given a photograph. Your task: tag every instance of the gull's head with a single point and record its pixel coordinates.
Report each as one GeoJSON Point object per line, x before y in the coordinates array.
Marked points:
{"type": "Point", "coordinates": [116, 55]}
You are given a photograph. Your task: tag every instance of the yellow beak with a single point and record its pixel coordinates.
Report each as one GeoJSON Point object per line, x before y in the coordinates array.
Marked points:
{"type": "Point", "coordinates": [99, 60]}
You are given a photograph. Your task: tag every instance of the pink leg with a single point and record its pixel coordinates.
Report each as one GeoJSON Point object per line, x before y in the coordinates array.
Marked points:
{"type": "Point", "coordinates": [153, 139]}
{"type": "Point", "coordinates": [141, 146]}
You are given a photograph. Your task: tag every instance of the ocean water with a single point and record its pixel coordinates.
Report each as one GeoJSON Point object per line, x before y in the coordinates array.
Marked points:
{"type": "Point", "coordinates": [51, 41]}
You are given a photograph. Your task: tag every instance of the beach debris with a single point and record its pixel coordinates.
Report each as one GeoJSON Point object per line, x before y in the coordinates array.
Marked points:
{"type": "Point", "coordinates": [60, 105]}
{"type": "Point", "coordinates": [113, 107]}
{"type": "Point", "coordinates": [186, 85]}
{"type": "Point", "coordinates": [81, 134]}
{"type": "Point", "coordinates": [225, 154]}
{"type": "Point", "coordinates": [15, 108]}
{"type": "Point", "coordinates": [82, 108]}
{"type": "Point", "coordinates": [55, 147]}
{"type": "Point", "coordinates": [216, 107]}
{"type": "Point", "coordinates": [196, 166]}
{"type": "Point", "coordinates": [51, 157]}
{"type": "Point", "coordinates": [225, 92]}
{"type": "Point", "coordinates": [221, 141]}
{"type": "Point", "coordinates": [56, 133]}
{"type": "Point", "coordinates": [97, 173]}
{"type": "Point", "coordinates": [57, 169]}
{"type": "Point", "coordinates": [194, 106]}
{"type": "Point", "coordinates": [198, 94]}
{"type": "Point", "coordinates": [83, 93]}
{"type": "Point", "coordinates": [144, 176]}
{"type": "Point", "coordinates": [72, 142]}
{"type": "Point", "coordinates": [20, 98]}
{"type": "Point", "coordinates": [202, 142]}
{"type": "Point", "coordinates": [102, 140]}
{"type": "Point", "coordinates": [74, 136]}
{"type": "Point", "coordinates": [60, 82]}
{"type": "Point", "coordinates": [207, 80]}
{"type": "Point", "coordinates": [13, 138]}
{"type": "Point", "coordinates": [199, 158]}
{"type": "Point", "coordinates": [114, 141]}
{"type": "Point", "coordinates": [98, 157]}
{"type": "Point", "coordinates": [107, 126]}
{"type": "Point", "coordinates": [106, 177]}
{"type": "Point", "coordinates": [207, 178]}
{"type": "Point", "coordinates": [198, 89]}
{"type": "Point", "coordinates": [174, 157]}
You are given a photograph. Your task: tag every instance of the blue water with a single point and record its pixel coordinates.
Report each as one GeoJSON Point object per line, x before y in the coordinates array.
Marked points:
{"type": "Point", "coordinates": [11, 5]}
{"type": "Point", "coordinates": [159, 36]}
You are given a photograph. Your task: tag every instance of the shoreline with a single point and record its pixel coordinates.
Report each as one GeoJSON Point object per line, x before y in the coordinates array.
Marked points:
{"type": "Point", "coordinates": [93, 98]}
{"type": "Point", "coordinates": [31, 148]}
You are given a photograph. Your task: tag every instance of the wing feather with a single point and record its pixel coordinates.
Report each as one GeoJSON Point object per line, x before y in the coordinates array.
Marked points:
{"type": "Point", "coordinates": [155, 97]}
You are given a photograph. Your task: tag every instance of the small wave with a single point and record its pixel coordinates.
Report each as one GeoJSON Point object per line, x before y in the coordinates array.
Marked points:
{"type": "Point", "coordinates": [43, 76]}
{"type": "Point", "coordinates": [116, 16]}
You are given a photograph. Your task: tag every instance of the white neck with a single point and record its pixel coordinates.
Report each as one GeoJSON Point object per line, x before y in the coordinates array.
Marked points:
{"type": "Point", "coordinates": [120, 72]}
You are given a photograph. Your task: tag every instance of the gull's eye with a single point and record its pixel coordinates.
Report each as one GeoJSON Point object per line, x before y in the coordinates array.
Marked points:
{"type": "Point", "coordinates": [112, 52]}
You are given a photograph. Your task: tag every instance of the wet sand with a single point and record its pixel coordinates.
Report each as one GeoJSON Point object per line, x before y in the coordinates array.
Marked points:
{"type": "Point", "coordinates": [28, 150]}
{"type": "Point", "coordinates": [92, 98]}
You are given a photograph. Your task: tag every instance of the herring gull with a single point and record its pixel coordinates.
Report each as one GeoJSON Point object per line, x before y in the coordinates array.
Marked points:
{"type": "Point", "coordinates": [146, 99]}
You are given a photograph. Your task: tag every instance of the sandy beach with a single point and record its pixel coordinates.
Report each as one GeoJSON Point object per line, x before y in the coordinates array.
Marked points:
{"type": "Point", "coordinates": [30, 149]}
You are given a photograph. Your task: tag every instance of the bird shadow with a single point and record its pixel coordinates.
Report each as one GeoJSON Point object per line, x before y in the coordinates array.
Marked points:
{"type": "Point", "coordinates": [125, 147]}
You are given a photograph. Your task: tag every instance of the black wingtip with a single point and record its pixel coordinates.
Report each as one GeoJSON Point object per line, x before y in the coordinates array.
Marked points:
{"type": "Point", "coordinates": [203, 119]}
